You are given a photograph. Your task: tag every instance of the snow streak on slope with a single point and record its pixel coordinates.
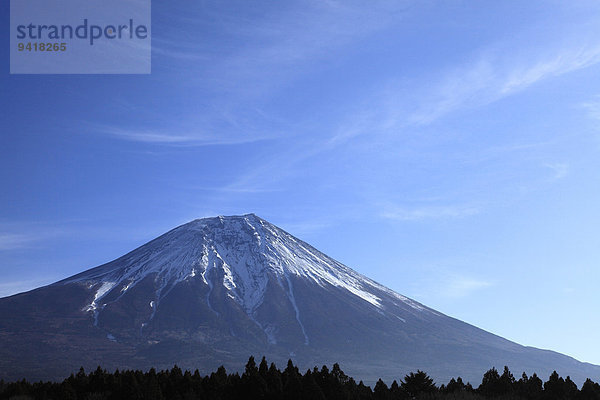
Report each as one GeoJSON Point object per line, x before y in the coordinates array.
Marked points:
{"type": "Point", "coordinates": [245, 251]}
{"type": "Point", "coordinates": [293, 301]}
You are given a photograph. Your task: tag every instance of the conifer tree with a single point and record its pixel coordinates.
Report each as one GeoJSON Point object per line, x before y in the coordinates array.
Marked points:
{"type": "Point", "coordinates": [274, 382]}
{"type": "Point", "coordinates": [418, 383]}
{"type": "Point", "coordinates": [263, 367]}
{"type": "Point", "coordinates": [310, 389]}
{"type": "Point", "coordinates": [292, 386]}
{"type": "Point", "coordinates": [506, 383]}
{"type": "Point", "coordinates": [490, 383]}
{"type": "Point", "coordinates": [455, 385]}
{"type": "Point", "coordinates": [396, 392]}
{"type": "Point", "coordinates": [554, 387]}
{"type": "Point", "coordinates": [381, 391]}
{"type": "Point", "coordinates": [253, 384]}
{"type": "Point", "coordinates": [589, 391]}
{"type": "Point", "coordinates": [364, 392]}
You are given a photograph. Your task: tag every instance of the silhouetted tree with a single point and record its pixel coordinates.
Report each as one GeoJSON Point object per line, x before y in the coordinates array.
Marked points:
{"type": "Point", "coordinates": [253, 384]}
{"type": "Point", "coordinates": [570, 388]}
{"type": "Point", "coordinates": [274, 382]}
{"type": "Point", "coordinates": [589, 391]}
{"type": "Point", "coordinates": [555, 388]}
{"type": "Point", "coordinates": [364, 392]}
{"type": "Point", "coordinates": [151, 389]}
{"type": "Point", "coordinates": [455, 386]}
{"type": "Point", "coordinates": [397, 392]}
{"type": "Point", "coordinates": [310, 389]}
{"type": "Point", "coordinates": [506, 382]}
{"type": "Point", "coordinates": [263, 368]}
{"type": "Point", "coordinates": [292, 387]}
{"type": "Point", "coordinates": [381, 391]}
{"type": "Point", "coordinates": [418, 383]}
{"type": "Point", "coordinates": [531, 388]}
{"type": "Point", "coordinates": [490, 383]}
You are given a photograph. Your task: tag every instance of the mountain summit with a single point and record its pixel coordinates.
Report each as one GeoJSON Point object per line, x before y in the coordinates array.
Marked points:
{"type": "Point", "coordinates": [216, 290]}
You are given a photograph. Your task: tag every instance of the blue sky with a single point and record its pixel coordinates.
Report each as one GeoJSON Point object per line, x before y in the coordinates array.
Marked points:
{"type": "Point", "coordinates": [449, 150]}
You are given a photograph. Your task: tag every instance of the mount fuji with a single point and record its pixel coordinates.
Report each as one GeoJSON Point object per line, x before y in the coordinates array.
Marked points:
{"type": "Point", "coordinates": [216, 290]}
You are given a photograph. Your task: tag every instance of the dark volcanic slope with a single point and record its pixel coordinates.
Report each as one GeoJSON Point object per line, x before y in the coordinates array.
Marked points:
{"type": "Point", "coordinates": [217, 290]}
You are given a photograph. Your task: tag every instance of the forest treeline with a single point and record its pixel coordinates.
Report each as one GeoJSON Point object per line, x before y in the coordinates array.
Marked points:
{"type": "Point", "coordinates": [264, 381]}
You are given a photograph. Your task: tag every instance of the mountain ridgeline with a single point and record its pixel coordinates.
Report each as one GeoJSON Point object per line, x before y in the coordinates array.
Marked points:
{"type": "Point", "coordinates": [215, 290]}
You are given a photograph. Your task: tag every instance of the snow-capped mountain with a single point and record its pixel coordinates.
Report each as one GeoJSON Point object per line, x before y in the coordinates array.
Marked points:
{"type": "Point", "coordinates": [245, 253]}
{"type": "Point", "coordinates": [216, 290]}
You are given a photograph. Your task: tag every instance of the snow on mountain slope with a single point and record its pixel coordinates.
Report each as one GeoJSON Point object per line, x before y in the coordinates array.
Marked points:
{"type": "Point", "coordinates": [248, 250]}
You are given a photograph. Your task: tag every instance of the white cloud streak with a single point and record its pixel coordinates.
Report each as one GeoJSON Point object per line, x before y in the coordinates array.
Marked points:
{"type": "Point", "coordinates": [260, 57]}
{"type": "Point", "coordinates": [12, 238]}
{"type": "Point", "coordinates": [593, 108]}
{"type": "Point", "coordinates": [13, 241]}
{"type": "Point", "coordinates": [398, 213]}
{"type": "Point", "coordinates": [560, 170]}
{"type": "Point", "coordinates": [286, 40]}
{"type": "Point", "coordinates": [178, 137]}
{"type": "Point", "coordinates": [491, 78]}
{"type": "Point", "coordinates": [496, 72]}
{"type": "Point", "coordinates": [464, 286]}
{"type": "Point", "coordinates": [488, 77]}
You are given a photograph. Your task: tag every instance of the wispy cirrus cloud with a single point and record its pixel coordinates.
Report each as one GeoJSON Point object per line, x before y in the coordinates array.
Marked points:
{"type": "Point", "coordinates": [178, 49]}
{"type": "Point", "coordinates": [560, 170]}
{"type": "Point", "coordinates": [255, 57]}
{"type": "Point", "coordinates": [378, 123]}
{"type": "Point", "coordinates": [13, 241]}
{"type": "Point", "coordinates": [14, 237]}
{"type": "Point", "coordinates": [400, 213]}
{"type": "Point", "coordinates": [181, 137]}
{"type": "Point", "coordinates": [234, 65]}
{"type": "Point", "coordinates": [592, 107]}
{"type": "Point", "coordinates": [491, 75]}
{"type": "Point", "coordinates": [299, 228]}
{"type": "Point", "coordinates": [147, 136]}
{"type": "Point", "coordinates": [452, 279]}
{"type": "Point", "coordinates": [464, 286]}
